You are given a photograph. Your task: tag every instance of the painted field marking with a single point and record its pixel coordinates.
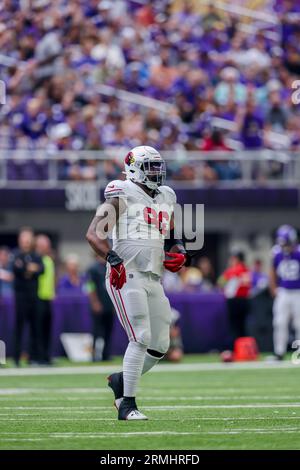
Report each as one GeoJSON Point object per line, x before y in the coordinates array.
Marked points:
{"type": "Point", "coordinates": [158, 407]}
{"type": "Point", "coordinates": [162, 398]}
{"type": "Point", "coordinates": [134, 433]}
{"type": "Point", "coordinates": [156, 398]}
{"type": "Point", "coordinates": [25, 390]}
{"type": "Point", "coordinates": [7, 372]}
{"type": "Point", "coordinates": [147, 433]}
{"type": "Point", "coordinates": [209, 394]}
{"type": "Point", "coordinates": [192, 418]}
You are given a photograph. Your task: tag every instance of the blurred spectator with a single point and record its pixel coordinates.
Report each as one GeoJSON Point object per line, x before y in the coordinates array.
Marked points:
{"type": "Point", "coordinates": [277, 116]}
{"type": "Point", "coordinates": [198, 278]}
{"type": "Point", "coordinates": [6, 274]}
{"type": "Point", "coordinates": [211, 19]}
{"type": "Point", "coordinates": [230, 87]}
{"type": "Point", "coordinates": [250, 123]}
{"type": "Point", "coordinates": [191, 278]}
{"type": "Point", "coordinates": [46, 294]}
{"type": "Point", "coordinates": [172, 282]}
{"type": "Point", "coordinates": [27, 267]}
{"type": "Point", "coordinates": [72, 281]}
{"type": "Point", "coordinates": [260, 309]}
{"type": "Point", "coordinates": [259, 279]}
{"type": "Point", "coordinates": [102, 310]}
{"type": "Point", "coordinates": [207, 271]}
{"type": "Point", "coordinates": [34, 119]}
{"type": "Point", "coordinates": [218, 169]}
{"type": "Point", "coordinates": [257, 56]}
{"type": "Point", "coordinates": [235, 281]}
{"type": "Point", "coordinates": [175, 352]}
{"type": "Point", "coordinates": [214, 142]}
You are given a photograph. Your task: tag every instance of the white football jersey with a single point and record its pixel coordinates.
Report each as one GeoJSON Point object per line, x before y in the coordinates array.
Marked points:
{"type": "Point", "coordinates": [138, 237]}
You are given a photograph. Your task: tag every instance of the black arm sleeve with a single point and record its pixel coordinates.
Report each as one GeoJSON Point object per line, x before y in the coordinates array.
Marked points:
{"type": "Point", "coordinates": [172, 241]}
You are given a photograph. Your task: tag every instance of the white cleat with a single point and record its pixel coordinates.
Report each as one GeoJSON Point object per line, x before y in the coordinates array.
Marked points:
{"type": "Point", "coordinates": [136, 415]}
{"type": "Point", "coordinates": [128, 411]}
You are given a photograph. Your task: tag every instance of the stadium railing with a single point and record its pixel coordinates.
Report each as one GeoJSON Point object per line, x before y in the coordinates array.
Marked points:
{"type": "Point", "coordinates": [40, 168]}
{"type": "Point", "coordinates": [243, 11]}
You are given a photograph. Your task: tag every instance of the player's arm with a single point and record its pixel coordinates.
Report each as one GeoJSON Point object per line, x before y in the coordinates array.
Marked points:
{"type": "Point", "coordinates": [273, 281]}
{"type": "Point", "coordinates": [175, 251]}
{"type": "Point", "coordinates": [102, 224]}
{"type": "Point", "coordinates": [97, 236]}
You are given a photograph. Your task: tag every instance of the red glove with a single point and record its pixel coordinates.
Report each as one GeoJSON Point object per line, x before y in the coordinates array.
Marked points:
{"type": "Point", "coordinates": [117, 275]}
{"type": "Point", "coordinates": [178, 260]}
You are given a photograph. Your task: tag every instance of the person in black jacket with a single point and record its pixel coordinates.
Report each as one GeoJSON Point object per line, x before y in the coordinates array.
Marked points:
{"type": "Point", "coordinates": [27, 267]}
{"type": "Point", "coordinates": [102, 311]}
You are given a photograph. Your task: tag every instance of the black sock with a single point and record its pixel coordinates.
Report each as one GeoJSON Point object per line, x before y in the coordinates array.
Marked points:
{"type": "Point", "coordinates": [129, 401]}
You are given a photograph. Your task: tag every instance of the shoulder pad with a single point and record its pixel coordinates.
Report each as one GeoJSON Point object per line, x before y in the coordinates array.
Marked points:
{"type": "Point", "coordinates": [169, 193]}
{"type": "Point", "coordinates": [276, 250]}
{"type": "Point", "coordinates": [116, 188]}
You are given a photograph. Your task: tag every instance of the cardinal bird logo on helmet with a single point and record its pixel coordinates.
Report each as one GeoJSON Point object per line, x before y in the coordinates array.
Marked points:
{"type": "Point", "coordinates": [129, 159]}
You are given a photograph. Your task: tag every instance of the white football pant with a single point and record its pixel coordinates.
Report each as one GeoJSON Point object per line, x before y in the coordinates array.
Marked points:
{"type": "Point", "coordinates": [286, 308]}
{"type": "Point", "coordinates": [143, 310]}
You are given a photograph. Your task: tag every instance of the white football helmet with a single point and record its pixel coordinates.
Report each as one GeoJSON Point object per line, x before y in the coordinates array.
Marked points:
{"type": "Point", "coordinates": [145, 165]}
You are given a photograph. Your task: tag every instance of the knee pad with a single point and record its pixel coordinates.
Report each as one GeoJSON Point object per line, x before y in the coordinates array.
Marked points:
{"type": "Point", "coordinates": [156, 354]}
{"type": "Point", "coordinates": [162, 345]}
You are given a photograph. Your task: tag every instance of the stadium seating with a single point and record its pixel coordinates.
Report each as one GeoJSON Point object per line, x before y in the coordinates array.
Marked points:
{"type": "Point", "coordinates": [163, 78]}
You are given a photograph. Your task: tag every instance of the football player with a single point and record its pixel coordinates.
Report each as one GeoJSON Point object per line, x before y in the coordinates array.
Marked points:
{"type": "Point", "coordinates": [285, 287]}
{"type": "Point", "coordinates": [139, 211]}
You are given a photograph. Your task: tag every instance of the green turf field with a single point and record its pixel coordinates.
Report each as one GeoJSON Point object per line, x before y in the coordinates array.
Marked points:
{"type": "Point", "coordinates": [190, 406]}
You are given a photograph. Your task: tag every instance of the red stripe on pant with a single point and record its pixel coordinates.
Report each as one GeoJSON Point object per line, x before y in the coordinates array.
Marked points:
{"type": "Point", "coordinates": [118, 310]}
{"type": "Point", "coordinates": [126, 315]}
{"type": "Point", "coordinates": [125, 321]}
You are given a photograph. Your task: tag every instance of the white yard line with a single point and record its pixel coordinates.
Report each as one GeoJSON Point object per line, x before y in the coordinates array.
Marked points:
{"type": "Point", "coordinates": [158, 407]}
{"type": "Point", "coordinates": [214, 366]}
{"type": "Point", "coordinates": [210, 393]}
{"type": "Point", "coordinates": [28, 417]}
{"type": "Point", "coordinates": [224, 407]}
{"type": "Point", "coordinates": [49, 436]}
{"type": "Point", "coordinates": [162, 398]}
{"type": "Point", "coordinates": [116, 433]}
{"type": "Point", "coordinates": [26, 390]}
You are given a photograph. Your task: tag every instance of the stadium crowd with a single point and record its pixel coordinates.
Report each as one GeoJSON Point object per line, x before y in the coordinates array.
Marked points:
{"type": "Point", "coordinates": [57, 55]}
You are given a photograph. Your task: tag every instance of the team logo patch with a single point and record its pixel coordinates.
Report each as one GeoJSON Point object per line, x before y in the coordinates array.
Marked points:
{"type": "Point", "coordinates": [129, 159]}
